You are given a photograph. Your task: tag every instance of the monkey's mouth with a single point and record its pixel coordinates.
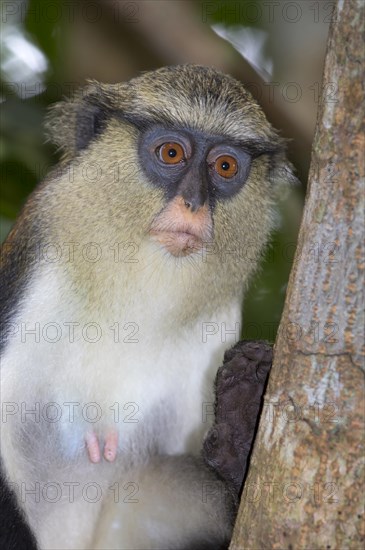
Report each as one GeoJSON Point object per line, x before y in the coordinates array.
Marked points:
{"type": "Point", "coordinates": [178, 242]}
{"type": "Point", "coordinates": [181, 231]}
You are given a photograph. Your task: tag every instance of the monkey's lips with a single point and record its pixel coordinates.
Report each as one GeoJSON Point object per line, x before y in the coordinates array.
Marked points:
{"type": "Point", "coordinates": [180, 230]}
{"type": "Point", "coordinates": [178, 242]}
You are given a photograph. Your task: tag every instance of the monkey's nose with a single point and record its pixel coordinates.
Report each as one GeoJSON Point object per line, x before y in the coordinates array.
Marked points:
{"type": "Point", "coordinates": [192, 204]}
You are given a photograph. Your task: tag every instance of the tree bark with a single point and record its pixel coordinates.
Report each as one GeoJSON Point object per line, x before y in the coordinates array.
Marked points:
{"type": "Point", "coordinates": [305, 483]}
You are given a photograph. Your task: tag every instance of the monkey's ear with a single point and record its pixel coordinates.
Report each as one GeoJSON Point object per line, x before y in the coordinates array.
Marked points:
{"type": "Point", "coordinates": [282, 175]}
{"type": "Point", "coordinates": [72, 124]}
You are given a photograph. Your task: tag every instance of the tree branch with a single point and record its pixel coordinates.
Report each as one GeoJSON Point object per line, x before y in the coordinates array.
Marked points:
{"type": "Point", "coordinates": [304, 484]}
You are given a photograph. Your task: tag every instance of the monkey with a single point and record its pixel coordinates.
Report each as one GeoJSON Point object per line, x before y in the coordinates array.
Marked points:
{"type": "Point", "coordinates": [115, 277]}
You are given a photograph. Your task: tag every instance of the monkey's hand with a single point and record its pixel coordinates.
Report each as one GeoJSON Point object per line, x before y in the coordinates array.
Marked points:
{"type": "Point", "coordinates": [239, 389]}
{"type": "Point", "coordinates": [110, 446]}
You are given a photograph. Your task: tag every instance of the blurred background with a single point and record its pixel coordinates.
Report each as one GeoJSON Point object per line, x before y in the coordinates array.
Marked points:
{"type": "Point", "coordinates": [275, 47]}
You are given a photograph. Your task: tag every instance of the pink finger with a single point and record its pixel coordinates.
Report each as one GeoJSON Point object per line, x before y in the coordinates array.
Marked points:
{"type": "Point", "coordinates": [93, 448]}
{"type": "Point", "coordinates": [111, 446]}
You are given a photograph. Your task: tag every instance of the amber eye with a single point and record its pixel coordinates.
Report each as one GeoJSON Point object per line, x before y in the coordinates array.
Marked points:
{"type": "Point", "coordinates": [226, 166]}
{"type": "Point", "coordinates": [171, 153]}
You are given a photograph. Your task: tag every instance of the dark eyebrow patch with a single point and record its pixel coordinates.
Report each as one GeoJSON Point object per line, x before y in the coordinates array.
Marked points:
{"type": "Point", "coordinates": [143, 122]}
{"type": "Point", "coordinates": [254, 147]}
{"type": "Point", "coordinates": [258, 147]}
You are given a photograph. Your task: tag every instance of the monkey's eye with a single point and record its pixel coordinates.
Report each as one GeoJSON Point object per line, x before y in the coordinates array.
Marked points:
{"type": "Point", "coordinates": [226, 166]}
{"type": "Point", "coordinates": [171, 153]}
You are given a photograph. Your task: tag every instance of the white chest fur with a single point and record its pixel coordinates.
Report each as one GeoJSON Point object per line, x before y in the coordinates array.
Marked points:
{"type": "Point", "coordinates": [129, 369]}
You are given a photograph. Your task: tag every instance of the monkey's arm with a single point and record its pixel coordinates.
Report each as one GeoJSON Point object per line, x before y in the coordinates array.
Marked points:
{"type": "Point", "coordinates": [15, 533]}
{"type": "Point", "coordinates": [239, 390]}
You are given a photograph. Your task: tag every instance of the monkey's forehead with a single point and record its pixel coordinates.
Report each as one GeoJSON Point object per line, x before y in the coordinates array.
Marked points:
{"type": "Point", "coordinates": [196, 97]}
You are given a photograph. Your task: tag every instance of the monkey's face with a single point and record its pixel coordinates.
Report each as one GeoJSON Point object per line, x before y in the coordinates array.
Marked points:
{"type": "Point", "coordinates": [195, 170]}
{"type": "Point", "coordinates": [208, 165]}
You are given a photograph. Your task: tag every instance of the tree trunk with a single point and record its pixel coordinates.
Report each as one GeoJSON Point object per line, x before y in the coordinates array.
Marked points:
{"type": "Point", "coordinates": [304, 487]}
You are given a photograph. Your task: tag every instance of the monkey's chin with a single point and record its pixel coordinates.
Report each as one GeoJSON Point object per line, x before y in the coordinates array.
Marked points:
{"type": "Point", "coordinates": [178, 243]}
